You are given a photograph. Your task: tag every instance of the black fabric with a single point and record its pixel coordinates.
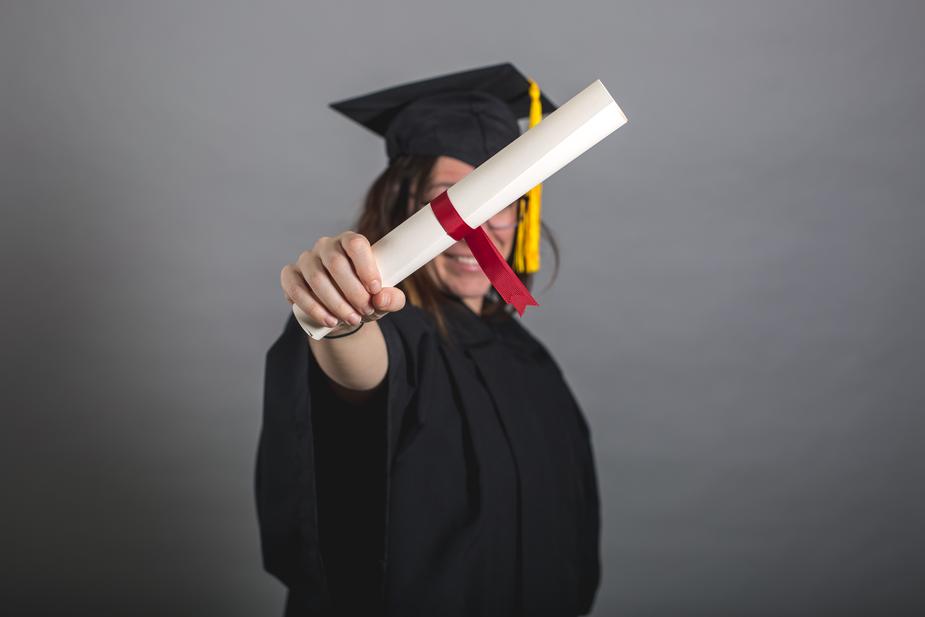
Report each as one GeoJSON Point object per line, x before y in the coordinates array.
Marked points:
{"type": "Point", "coordinates": [469, 115]}
{"type": "Point", "coordinates": [487, 500]}
{"type": "Point", "coordinates": [349, 443]}
{"type": "Point", "coordinates": [469, 126]}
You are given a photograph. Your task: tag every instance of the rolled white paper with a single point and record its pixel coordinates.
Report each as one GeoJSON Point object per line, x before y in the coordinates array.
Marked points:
{"type": "Point", "coordinates": [561, 137]}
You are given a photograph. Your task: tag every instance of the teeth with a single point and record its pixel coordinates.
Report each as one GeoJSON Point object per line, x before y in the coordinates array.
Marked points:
{"type": "Point", "coordinates": [466, 260]}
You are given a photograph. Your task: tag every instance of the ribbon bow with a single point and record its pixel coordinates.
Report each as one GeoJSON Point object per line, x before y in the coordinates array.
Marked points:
{"type": "Point", "coordinates": [485, 252]}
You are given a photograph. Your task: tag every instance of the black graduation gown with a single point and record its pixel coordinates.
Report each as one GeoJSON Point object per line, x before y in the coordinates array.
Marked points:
{"type": "Point", "coordinates": [466, 486]}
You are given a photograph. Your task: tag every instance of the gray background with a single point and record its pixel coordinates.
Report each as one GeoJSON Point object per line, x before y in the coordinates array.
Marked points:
{"type": "Point", "coordinates": [739, 311]}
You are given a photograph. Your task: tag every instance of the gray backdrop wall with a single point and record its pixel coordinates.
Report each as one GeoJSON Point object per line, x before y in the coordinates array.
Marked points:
{"type": "Point", "coordinates": [739, 310]}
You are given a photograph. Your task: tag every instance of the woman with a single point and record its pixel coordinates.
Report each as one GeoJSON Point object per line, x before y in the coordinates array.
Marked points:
{"type": "Point", "coordinates": [427, 457]}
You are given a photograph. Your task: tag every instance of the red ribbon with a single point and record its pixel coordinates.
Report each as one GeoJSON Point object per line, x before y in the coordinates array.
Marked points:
{"type": "Point", "coordinates": [485, 252]}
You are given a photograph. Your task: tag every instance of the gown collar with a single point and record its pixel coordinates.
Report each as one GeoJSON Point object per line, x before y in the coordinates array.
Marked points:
{"type": "Point", "coordinates": [466, 327]}
{"type": "Point", "coordinates": [471, 330]}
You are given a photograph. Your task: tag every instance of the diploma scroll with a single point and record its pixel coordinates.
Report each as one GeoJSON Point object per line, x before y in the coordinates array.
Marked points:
{"type": "Point", "coordinates": [560, 138]}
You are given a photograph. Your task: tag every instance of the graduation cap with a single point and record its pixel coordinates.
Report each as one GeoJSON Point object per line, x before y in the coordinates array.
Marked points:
{"type": "Point", "coordinates": [469, 115]}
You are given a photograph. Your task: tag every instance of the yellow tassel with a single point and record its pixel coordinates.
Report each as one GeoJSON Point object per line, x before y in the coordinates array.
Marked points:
{"type": "Point", "coordinates": [519, 265]}
{"type": "Point", "coordinates": [527, 247]}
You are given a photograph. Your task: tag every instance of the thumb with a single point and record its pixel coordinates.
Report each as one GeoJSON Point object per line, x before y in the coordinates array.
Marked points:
{"type": "Point", "coordinates": [389, 300]}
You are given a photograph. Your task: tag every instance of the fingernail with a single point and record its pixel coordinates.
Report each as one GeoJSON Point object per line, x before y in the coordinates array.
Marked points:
{"type": "Point", "coordinates": [369, 310]}
{"type": "Point", "coordinates": [375, 287]}
{"type": "Point", "coordinates": [385, 301]}
{"type": "Point", "coordinates": [330, 321]}
{"type": "Point", "coordinates": [354, 319]}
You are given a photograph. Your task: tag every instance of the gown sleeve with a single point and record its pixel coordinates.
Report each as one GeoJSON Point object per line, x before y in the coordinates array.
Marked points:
{"type": "Point", "coordinates": [591, 516]}
{"type": "Point", "coordinates": [349, 463]}
{"type": "Point", "coordinates": [589, 499]}
{"type": "Point", "coordinates": [315, 446]}
{"type": "Point", "coordinates": [589, 507]}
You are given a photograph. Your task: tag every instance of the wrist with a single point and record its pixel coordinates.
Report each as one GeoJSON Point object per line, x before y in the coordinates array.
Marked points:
{"type": "Point", "coordinates": [343, 330]}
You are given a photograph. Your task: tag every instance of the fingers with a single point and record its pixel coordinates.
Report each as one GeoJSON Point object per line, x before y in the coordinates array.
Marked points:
{"type": "Point", "coordinates": [357, 248]}
{"type": "Point", "coordinates": [320, 282]}
{"type": "Point", "coordinates": [341, 270]}
{"type": "Point", "coordinates": [297, 292]}
{"type": "Point", "coordinates": [339, 281]}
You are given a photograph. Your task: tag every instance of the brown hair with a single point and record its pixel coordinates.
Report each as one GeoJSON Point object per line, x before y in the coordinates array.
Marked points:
{"type": "Point", "coordinates": [387, 205]}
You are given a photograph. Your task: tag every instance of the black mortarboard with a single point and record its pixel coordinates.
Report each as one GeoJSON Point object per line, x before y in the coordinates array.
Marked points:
{"type": "Point", "coordinates": [469, 115]}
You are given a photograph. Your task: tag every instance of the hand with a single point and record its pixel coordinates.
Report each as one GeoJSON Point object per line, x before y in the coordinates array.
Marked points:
{"type": "Point", "coordinates": [338, 281]}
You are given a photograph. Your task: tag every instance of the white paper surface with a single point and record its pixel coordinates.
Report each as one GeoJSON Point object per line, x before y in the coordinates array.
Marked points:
{"type": "Point", "coordinates": [561, 137]}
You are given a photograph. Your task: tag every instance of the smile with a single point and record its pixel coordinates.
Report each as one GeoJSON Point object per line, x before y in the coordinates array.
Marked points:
{"type": "Point", "coordinates": [464, 264]}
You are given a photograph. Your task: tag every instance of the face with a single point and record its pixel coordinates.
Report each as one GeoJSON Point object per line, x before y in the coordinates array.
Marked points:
{"type": "Point", "coordinates": [456, 270]}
